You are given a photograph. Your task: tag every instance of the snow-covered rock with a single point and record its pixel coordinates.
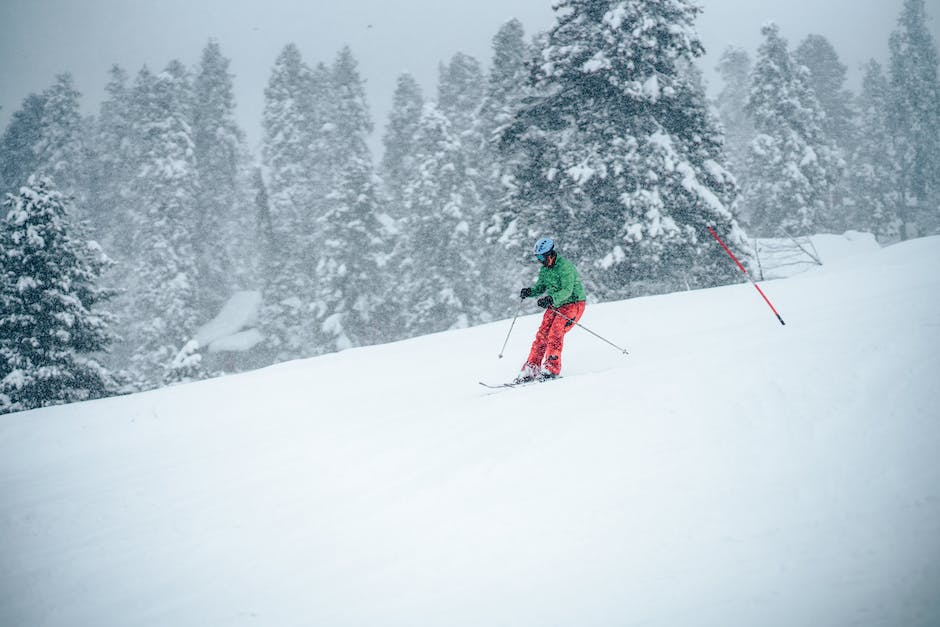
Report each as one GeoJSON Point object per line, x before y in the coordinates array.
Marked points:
{"type": "Point", "coordinates": [240, 313]}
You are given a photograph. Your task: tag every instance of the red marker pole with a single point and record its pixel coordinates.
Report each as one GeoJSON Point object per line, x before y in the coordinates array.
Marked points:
{"type": "Point", "coordinates": [744, 270]}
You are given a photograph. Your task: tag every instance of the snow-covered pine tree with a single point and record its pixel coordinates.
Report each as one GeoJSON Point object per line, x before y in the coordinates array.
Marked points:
{"type": "Point", "coordinates": [460, 91]}
{"type": "Point", "coordinates": [506, 88]}
{"type": "Point", "coordinates": [827, 78]}
{"type": "Point", "coordinates": [116, 165]}
{"type": "Point", "coordinates": [793, 167]}
{"type": "Point", "coordinates": [113, 202]}
{"type": "Point", "coordinates": [46, 138]}
{"type": "Point", "coordinates": [734, 67]}
{"type": "Point", "coordinates": [621, 160]}
{"type": "Point", "coordinates": [320, 164]}
{"type": "Point", "coordinates": [50, 322]}
{"type": "Point", "coordinates": [505, 82]}
{"type": "Point", "coordinates": [290, 123]}
{"type": "Point", "coordinates": [186, 366]}
{"type": "Point", "coordinates": [398, 156]}
{"type": "Point", "coordinates": [914, 119]}
{"type": "Point", "coordinates": [218, 241]}
{"type": "Point", "coordinates": [162, 290]}
{"type": "Point", "coordinates": [349, 234]}
{"type": "Point", "coordinates": [874, 166]}
{"type": "Point", "coordinates": [263, 228]}
{"type": "Point", "coordinates": [60, 150]}
{"type": "Point", "coordinates": [440, 267]}
{"type": "Point", "coordinates": [18, 159]}
{"type": "Point", "coordinates": [244, 245]}
{"type": "Point", "coordinates": [349, 118]}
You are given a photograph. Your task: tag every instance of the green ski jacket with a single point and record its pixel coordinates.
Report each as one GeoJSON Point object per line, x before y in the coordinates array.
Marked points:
{"type": "Point", "coordinates": [561, 282]}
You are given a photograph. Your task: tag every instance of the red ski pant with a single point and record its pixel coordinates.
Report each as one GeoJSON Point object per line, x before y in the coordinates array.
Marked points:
{"type": "Point", "coordinates": [550, 338]}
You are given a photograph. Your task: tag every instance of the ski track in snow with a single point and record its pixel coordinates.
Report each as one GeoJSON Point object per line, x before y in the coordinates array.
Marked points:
{"type": "Point", "coordinates": [728, 471]}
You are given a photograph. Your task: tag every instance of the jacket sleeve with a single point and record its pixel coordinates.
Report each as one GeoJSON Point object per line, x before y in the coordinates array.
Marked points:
{"type": "Point", "coordinates": [565, 287]}
{"type": "Point", "coordinates": [540, 285]}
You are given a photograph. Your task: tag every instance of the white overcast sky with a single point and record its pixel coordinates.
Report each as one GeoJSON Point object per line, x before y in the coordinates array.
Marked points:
{"type": "Point", "coordinates": [41, 38]}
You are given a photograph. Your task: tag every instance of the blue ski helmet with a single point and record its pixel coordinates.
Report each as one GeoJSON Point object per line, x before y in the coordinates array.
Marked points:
{"type": "Point", "coordinates": [544, 246]}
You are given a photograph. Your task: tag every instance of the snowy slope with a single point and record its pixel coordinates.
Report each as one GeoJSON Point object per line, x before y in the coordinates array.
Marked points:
{"type": "Point", "coordinates": [729, 471]}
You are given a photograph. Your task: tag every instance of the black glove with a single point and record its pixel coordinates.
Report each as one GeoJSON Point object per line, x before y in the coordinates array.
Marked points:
{"type": "Point", "coordinates": [525, 292]}
{"type": "Point", "coordinates": [545, 302]}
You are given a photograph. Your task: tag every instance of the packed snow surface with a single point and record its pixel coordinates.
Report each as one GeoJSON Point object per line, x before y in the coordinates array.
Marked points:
{"type": "Point", "coordinates": [728, 471]}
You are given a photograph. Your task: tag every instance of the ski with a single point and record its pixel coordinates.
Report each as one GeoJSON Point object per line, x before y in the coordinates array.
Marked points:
{"type": "Point", "coordinates": [499, 386]}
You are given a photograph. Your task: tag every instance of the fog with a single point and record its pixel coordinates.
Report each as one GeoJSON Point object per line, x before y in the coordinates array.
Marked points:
{"type": "Point", "coordinates": [42, 38]}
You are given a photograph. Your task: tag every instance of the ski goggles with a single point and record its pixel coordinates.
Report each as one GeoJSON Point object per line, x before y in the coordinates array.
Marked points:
{"type": "Point", "coordinates": [541, 257]}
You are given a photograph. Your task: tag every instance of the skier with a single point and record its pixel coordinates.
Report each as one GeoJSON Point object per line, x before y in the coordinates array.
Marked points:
{"type": "Point", "coordinates": [564, 305]}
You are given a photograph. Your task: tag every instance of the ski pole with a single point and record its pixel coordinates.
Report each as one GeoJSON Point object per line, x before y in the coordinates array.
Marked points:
{"type": "Point", "coordinates": [573, 321]}
{"type": "Point", "coordinates": [744, 270]}
{"type": "Point", "coordinates": [518, 311]}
